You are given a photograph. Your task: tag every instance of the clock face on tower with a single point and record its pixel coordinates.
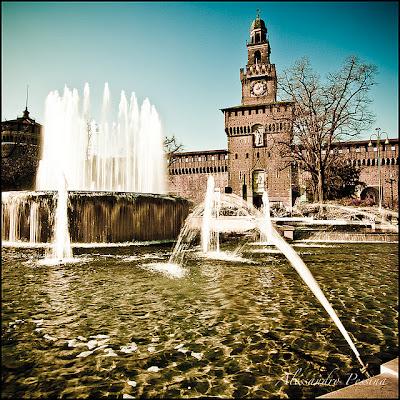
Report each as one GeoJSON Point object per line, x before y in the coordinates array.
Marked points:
{"type": "Point", "coordinates": [258, 88]}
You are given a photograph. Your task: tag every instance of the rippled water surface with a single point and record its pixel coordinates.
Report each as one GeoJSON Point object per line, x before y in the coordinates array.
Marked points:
{"type": "Point", "coordinates": [116, 324]}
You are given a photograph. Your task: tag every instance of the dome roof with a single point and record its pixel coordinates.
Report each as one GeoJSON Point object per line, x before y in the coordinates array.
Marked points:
{"type": "Point", "coordinates": [257, 24]}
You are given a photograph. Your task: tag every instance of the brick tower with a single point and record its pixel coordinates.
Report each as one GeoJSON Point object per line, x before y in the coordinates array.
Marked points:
{"type": "Point", "coordinates": [257, 128]}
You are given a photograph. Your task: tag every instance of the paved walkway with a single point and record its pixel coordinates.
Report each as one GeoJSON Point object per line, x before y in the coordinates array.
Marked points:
{"type": "Point", "coordinates": [382, 386]}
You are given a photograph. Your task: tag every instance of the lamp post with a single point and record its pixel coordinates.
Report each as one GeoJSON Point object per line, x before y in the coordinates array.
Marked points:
{"type": "Point", "coordinates": [378, 139]}
{"type": "Point", "coordinates": [391, 181]}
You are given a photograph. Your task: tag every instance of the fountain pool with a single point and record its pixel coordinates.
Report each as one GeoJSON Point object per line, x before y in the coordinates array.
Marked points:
{"type": "Point", "coordinates": [111, 324]}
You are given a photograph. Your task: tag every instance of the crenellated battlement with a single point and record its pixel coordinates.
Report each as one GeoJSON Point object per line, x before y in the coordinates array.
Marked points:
{"type": "Point", "coordinates": [257, 70]}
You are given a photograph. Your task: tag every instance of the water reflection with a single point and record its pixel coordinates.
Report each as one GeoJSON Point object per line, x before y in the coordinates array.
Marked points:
{"type": "Point", "coordinates": [107, 326]}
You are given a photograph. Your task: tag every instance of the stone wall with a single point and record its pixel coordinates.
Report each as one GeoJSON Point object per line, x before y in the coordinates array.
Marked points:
{"type": "Point", "coordinates": [189, 171]}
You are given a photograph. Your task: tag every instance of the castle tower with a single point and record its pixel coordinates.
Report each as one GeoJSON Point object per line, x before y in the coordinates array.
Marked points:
{"type": "Point", "coordinates": [259, 77]}
{"type": "Point", "coordinates": [257, 128]}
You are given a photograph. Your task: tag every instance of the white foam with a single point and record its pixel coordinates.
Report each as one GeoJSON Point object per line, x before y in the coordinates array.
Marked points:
{"type": "Point", "coordinates": [225, 256]}
{"type": "Point", "coordinates": [51, 262]}
{"type": "Point", "coordinates": [169, 269]}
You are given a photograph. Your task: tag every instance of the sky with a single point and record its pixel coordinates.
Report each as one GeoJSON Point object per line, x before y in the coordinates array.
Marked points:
{"type": "Point", "coordinates": [185, 56]}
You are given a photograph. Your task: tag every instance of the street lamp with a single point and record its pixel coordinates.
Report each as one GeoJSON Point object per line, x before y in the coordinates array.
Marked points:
{"type": "Point", "coordinates": [378, 138]}
{"type": "Point", "coordinates": [391, 181]}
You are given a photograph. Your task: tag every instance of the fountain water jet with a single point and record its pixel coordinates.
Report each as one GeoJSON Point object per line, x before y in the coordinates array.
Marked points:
{"type": "Point", "coordinates": [307, 277]}
{"type": "Point", "coordinates": [209, 238]}
{"type": "Point", "coordinates": [116, 175]}
{"type": "Point", "coordinates": [207, 214]}
{"type": "Point", "coordinates": [124, 156]}
{"type": "Point", "coordinates": [267, 228]}
{"type": "Point", "coordinates": [62, 244]}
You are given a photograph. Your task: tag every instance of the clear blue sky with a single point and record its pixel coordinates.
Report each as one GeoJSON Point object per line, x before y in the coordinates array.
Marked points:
{"type": "Point", "coordinates": [186, 56]}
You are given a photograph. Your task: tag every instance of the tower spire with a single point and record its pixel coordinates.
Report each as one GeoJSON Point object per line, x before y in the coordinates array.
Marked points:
{"type": "Point", "coordinates": [26, 112]}
{"type": "Point", "coordinates": [27, 93]}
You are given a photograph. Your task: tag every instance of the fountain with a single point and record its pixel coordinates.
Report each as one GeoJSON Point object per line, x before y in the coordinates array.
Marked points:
{"type": "Point", "coordinates": [307, 277]}
{"type": "Point", "coordinates": [206, 219]}
{"type": "Point", "coordinates": [62, 242]}
{"type": "Point", "coordinates": [116, 176]}
{"type": "Point", "coordinates": [339, 223]}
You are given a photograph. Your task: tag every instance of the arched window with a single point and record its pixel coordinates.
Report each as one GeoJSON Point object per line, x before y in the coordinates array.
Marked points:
{"type": "Point", "coordinates": [383, 161]}
{"type": "Point", "coordinates": [257, 56]}
{"type": "Point", "coordinates": [258, 154]}
{"type": "Point", "coordinates": [236, 156]}
{"type": "Point", "coordinates": [241, 129]}
{"type": "Point", "coordinates": [368, 162]}
{"type": "Point", "coordinates": [230, 131]}
{"type": "Point", "coordinates": [247, 155]}
{"type": "Point", "coordinates": [373, 162]}
{"type": "Point", "coordinates": [363, 161]}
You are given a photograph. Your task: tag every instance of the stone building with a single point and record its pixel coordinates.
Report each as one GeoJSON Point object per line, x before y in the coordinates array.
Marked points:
{"type": "Point", "coordinates": [252, 162]}
{"type": "Point", "coordinates": [255, 129]}
{"type": "Point", "coordinates": [365, 154]}
{"type": "Point", "coordinates": [20, 152]}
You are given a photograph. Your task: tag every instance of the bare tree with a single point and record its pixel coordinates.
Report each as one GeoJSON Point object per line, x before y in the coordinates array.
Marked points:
{"type": "Point", "coordinates": [171, 147]}
{"type": "Point", "coordinates": [325, 113]}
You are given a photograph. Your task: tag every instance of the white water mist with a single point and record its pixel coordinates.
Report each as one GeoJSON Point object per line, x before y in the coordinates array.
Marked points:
{"type": "Point", "coordinates": [124, 155]}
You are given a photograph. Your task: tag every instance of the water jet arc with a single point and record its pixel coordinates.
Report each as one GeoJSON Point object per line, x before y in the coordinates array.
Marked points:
{"type": "Point", "coordinates": [305, 274]}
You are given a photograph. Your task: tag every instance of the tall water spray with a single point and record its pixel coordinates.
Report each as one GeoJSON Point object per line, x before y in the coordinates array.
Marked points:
{"type": "Point", "coordinates": [207, 215]}
{"type": "Point", "coordinates": [267, 228]}
{"type": "Point", "coordinates": [62, 243]}
{"type": "Point", "coordinates": [119, 156]}
{"type": "Point", "coordinates": [209, 226]}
